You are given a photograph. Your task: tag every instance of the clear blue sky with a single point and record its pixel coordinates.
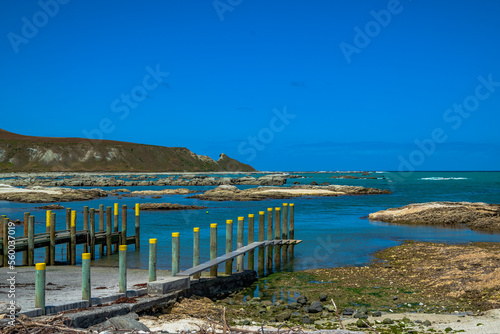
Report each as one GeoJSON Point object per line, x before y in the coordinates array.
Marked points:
{"type": "Point", "coordinates": [281, 85]}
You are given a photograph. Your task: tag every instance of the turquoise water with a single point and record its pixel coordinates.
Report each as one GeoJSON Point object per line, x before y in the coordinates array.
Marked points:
{"type": "Point", "coordinates": [333, 229]}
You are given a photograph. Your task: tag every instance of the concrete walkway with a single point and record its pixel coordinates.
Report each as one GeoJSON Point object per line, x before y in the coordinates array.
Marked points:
{"type": "Point", "coordinates": [64, 283]}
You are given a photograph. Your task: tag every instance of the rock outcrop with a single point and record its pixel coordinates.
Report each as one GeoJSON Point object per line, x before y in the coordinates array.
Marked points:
{"type": "Point", "coordinates": [232, 193]}
{"type": "Point", "coordinates": [480, 216]}
{"type": "Point", "coordinates": [168, 206]}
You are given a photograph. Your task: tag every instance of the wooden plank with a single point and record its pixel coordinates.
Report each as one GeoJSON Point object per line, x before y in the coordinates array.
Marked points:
{"type": "Point", "coordinates": [220, 259]}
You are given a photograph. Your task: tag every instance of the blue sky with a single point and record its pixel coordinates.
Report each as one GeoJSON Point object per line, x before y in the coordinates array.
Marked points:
{"type": "Point", "coordinates": [281, 85]}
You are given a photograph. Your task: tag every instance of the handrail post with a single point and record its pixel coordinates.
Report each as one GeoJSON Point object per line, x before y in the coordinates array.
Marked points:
{"type": "Point", "coordinates": [213, 248]}
{"type": "Point", "coordinates": [229, 246]}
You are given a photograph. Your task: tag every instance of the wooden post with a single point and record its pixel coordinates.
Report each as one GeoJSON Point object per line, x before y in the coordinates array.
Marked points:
{"type": "Point", "coordinates": [92, 233]}
{"type": "Point", "coordinates": [152, 259]}
{"type": "Point", "coordinates": [115, 224]}
{"type": "Point", "coordinates": [175, 253]}
{"type": "Point", "coordinates": [213, 248]}
{"type": "Point", "coordinates": [251, 238]}
{"type": "Point", "coordinates": [40, 286]}
{"type": "Point", "coordinates": [239, 243]}
{"type": "Point", "coordinates": [262, 237]}
{"type": "Point", "coordinates": [68, 228]}
{"type": "Point", "coordinates": [25, 234]}
{"type": "Point", "coordinates": [284, 233]}
{"type": "Point", "coordinates": [47, 229]}
{"type": "Point", "coordinates": [73, 238]}
{"type": "Point", "coordinates": [86, 286]}
{"type": "Point", "coordinates": [101, 229]}
{"type": "Point", "coordinates": [291, 234]}
{"type": "Point", "coordinates": [122, 264]}
{"type": "Point", "coordinates": [109, 231]}
{"type": "Point", "coordinates": [137, 227]}
{"type": "Point", "coordinates": [196, 250]}
{"type": "Point", "coordinates": [277, 236]}
{"type": "Point", "coordinates": [86, 227]}
{"type": "Point", "coordinates": [31, 240]}
{"type": "Point", "coordinates": [229, 245]}
{"type": "Point", "coordinates": [52, 239]}
{"type": "Point", "coordinates": [4, 221]}
{"type": "Point", "coordinates": [270, 236]}
{"type": "Point", "coordinates": [124, 224]}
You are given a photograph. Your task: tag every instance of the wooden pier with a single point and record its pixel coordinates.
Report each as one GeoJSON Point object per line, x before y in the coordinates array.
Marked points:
{"type": "Point", "coordinates": [68, 237]}
{"type": "Point", "coordinates": [280, 244]}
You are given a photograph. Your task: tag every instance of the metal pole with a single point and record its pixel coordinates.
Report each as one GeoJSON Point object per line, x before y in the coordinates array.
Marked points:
{"type": "Point", "coordinates": [262, 236]}
{"type": "Point", "coordinates": [73, 238]}
{"type": "Point", "coordinates": [152, 259]}
{"type": "Point", "coordinates": [122, 263]}
{"type": "Point", "coordinates": [239, 243]}
{"type": "Point", "coordinates": [229, 245]}
{"type": "Point", "coordinates": [86, 287]}
{"type": "Point", "coordinates": [137, 227]}
{"type": "Point", "coordinates": [40, 286]}
{"type": "Point", "coordinates": [175, 253]}
{"type": "Point", "coordinates": [251, 238]}
{"type": "Point", "coordinates": [196, 250]}
{"type": "Point", "coordinates": [213, 248]}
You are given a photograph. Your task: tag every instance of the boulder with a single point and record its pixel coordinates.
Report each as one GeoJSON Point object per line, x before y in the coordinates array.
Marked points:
{"type": "Point", "coordinates": [315, 307]}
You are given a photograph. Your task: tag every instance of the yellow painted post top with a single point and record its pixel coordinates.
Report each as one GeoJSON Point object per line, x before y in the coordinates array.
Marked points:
{"type": "Point", "coordinates": [196, 229]}
{"type": "Point", "coordinates": [291, 204]}
{"type": "Point", "coordinates": [285, 204]}
{"type": "Point", "coordinates": [86, 256]}
{"type": "Point", "coordinates": [137, 209]}
{"type": "Point", "coordinates": [48, 217]}
{"type": "Point", "coordinates": [153, 241]}
{"type": "Point", "coordinates": [73, 218]}
{"type": "Point", "coordinates": [251, 215]}
{"type": "Point", "coordinates": [175, 234]}
{"type": "Point", "coordinates": [213, 225]}
{"type": "Point", "coordinates": [229, 221]}
{"type": "Point", "coordinates": [269, 209]}
{"type": "Point", "coordinates": [122, 248]}
{"type": "Point", "coordinates": [261, 212]}
{"type": "Point", "coordinates": [40, 266]}
{"type": "Point", "coordinates": [278, 208]}
{"type": "Point", "coordinates": [241, 218]}
{"type": "Point", "coordinates": [116, 209]}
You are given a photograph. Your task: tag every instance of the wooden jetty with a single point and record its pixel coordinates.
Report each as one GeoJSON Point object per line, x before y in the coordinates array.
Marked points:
{"type": "Point", "coordinates": [69, 237]}
{"type": "Point", "coordinates": [280, 243]}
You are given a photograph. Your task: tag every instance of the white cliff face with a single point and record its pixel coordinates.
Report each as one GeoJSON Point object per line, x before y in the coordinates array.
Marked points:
{"type": "Point", "coordinates": [2, 155]}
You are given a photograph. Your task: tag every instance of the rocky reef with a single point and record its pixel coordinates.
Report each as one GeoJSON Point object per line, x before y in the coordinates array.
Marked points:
{"type": "Point", "coordinates": [231, 193]}
{"type": "Point", "coordinates": [478, 216]}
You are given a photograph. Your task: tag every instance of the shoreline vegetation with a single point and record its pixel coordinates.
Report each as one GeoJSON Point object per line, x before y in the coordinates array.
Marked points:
{"type": "Point", "coordinates": [416, 287]}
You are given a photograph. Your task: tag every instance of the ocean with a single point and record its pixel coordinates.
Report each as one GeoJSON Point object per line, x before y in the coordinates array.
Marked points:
{"type": "Point", "coordinates": [334, 230]}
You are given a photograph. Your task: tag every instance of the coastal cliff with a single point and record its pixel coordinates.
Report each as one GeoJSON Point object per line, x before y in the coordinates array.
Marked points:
{"type": "Point", "coordinates": [20, 153]}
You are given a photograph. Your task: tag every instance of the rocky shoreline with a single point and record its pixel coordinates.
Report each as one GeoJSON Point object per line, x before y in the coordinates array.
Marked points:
{"type": "Point", "coordinates": [168, 206]}
{"type": "Point", "coordinates": [129, 180]}
{"type": "Point", "coordinates": [416, 287]}
{"type": "Point", "coordinates": [231, 193]}
{"type": "Point", "coordinates": [477, 216]}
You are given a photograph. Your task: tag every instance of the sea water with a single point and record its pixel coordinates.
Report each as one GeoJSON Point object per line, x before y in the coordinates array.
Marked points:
{"type": "Point", "coordinates": [334, 230]}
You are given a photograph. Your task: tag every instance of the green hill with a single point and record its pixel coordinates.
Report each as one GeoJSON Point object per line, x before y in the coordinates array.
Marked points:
{"type": "Point", "coordinates": [20, 153]}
